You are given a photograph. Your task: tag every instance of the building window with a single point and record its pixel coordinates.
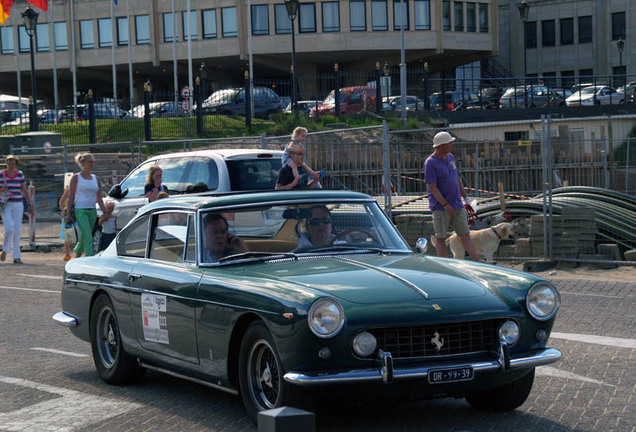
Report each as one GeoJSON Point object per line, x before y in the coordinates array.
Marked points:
{"type": "Point", "coordinates": [283, 23]}
{"type": "Point", "coordinates": [87, 37]}
{"type": "Point", "coordinates": [483, 18]}
{"type": "Point", "coordinates": [585, 75]}
{"type": "Point", "coordinates": [422, 14]}
{"type": "Point", "coordinates": [618, 25]}
{"type": "Point", "coordinates": [208, 21]}
{"type": "Point", "coordinates": [228, 22]}
{"type": "Point", "coordinates": [379, 19]}
{"type": "Point", "coordinates": [6, 38]}
{"type": "Point", "coordinates": [61, 37]}
{"type": "Point", "coordinates": [567, 31]}
{"type": "Point", "coordinates": [260, 20]}
{"type": "Point", "coordinates": [358, 15]}
{"type": "Point", "coordinates": [471, 18]}
{"type": "Point", "coordinates": [105, 31]}
{"type": "Point", "coordinates": [42, 37]}
{"type": "Point", "coordinates": [194, 31]}
{"type": "Point", "coordinates": [458, 9]}
{"type": "Point", "coordinates": [567, 79]}
{"type": "Point", "coordinates": [23, 40]}
{"type": "Point", "coordinates": [531, 34]}
{"type": "Point", "coordinates": [619, 76]}
{"type": "Point", "coordinates": [549, 79]}
{"type": "Point", "coordinates": [123, 38]}
{"type": "Point", "coordinates": [330, 17]}
{"type": "Point", "coordinates": [516, 136]}
{"type": "Point", "coordinates": [142, 30]}
{"type": "Point", "coordinates": [397, 15]}
{"type": "Point", "coordinates": [446, 15]}
{"type": "Point", "coordinates": [585, 29]}
{"type": "Point", "coordinates": [169, 27]}
{"type": "Point", "coordinates": [307, 18]}
{"type": "Point", "coordinates": [547, 33]}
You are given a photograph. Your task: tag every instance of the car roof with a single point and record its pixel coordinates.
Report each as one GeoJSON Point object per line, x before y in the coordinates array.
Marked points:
{"type": "Point", "coordinates": [209, 200]}
{"type": "Point", "coordinates": [224, 153]}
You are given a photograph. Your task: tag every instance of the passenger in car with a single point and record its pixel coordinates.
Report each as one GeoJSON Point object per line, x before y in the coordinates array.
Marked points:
{"type": "Point", "coordinates": [153, 183]}
{"type": "Point", "coordinates": [319, 230]}
{"type": "Point", "coordinates": [219, 243]}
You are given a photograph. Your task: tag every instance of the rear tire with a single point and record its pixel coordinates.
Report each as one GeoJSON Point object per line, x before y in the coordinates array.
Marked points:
{"type": "Point", "coordinates": [504, 398]}
{"type": "Point", "coordinates": [113, 364]}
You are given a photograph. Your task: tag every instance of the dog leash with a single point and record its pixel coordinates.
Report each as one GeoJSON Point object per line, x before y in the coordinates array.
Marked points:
{"type": "Point", "coordinates": [496, 233]}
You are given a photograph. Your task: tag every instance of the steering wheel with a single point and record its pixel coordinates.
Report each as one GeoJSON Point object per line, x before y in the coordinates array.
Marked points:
{"type": "Point", "coordinates": [349, 231]}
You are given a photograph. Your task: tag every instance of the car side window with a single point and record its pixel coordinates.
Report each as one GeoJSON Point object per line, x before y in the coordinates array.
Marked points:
{"type": "Point", "coordinates": [191, 250]}
{"type": "Point", "coordinates": [168, 237]}
{"type": "Point", "coordinates": [356, 98]}
{"type": "Point", "coordinates": [132, 240]}
{"type": "Point", "coordinates": [203, 172]}
{"type": "Point", "coordinates": [174, 171]}
{"type": "Point", "coordinates": [136, 181]}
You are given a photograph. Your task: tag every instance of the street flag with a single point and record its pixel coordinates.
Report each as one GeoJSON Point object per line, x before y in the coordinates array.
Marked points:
{"type": "Point", "coordinates": [42, 4]}
{"type": "Point", "coordinates": [5, 5]}
{"type": "Point", "coordinates": [115, 1]}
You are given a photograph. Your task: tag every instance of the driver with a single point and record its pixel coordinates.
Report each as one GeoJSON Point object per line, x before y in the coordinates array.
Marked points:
{"type": "Point", "coordinates": [219, 243]}
{"type": "Point", "coordinates": [319, 229]}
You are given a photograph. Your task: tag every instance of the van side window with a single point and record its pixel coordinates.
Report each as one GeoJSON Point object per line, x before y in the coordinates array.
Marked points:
{"type": "Point", "coordinates": [356, 98]}
{"type": "Point", "coordinates": [202, 172]}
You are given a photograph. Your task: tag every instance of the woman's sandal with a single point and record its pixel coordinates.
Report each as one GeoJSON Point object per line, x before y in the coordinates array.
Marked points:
{"type": "Point", "coordinates": [17, 261]}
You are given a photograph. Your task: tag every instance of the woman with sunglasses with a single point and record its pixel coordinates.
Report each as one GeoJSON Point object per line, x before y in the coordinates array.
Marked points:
{"type": "Point", "coordinates": [319, 229]}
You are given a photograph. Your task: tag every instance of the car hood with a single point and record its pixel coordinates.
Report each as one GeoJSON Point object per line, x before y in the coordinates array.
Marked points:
{"type": "Point", "coordinates": [392, 278]}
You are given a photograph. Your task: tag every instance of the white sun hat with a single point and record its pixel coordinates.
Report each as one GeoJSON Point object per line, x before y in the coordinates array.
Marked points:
{"type": "Point", "coordinates": [442, 138]}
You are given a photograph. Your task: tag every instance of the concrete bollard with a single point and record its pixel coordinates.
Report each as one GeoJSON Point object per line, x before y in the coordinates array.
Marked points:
{"type": "Point", "coordinates": [286, 419]}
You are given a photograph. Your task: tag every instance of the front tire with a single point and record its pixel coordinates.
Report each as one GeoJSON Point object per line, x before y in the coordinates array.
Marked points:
{"type": "Point", "coordinates": [113, 364]}
{"type": "Point", "coordinates": [261, 371]}
{"type": "Point", "coordinates": [504, 398]}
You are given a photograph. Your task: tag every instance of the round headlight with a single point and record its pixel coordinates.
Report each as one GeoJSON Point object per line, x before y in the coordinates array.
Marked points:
{"type": "Point", "coordinates": [326, 317]}
{"type": "Point", "coordinates": [364, 344]}
{"type": "Point", "coordinates": [509, 332]}
{"type": "Point", "coordinates": [543, 301]}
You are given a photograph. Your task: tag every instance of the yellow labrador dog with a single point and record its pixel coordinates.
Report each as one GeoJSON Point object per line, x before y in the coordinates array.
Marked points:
{"type": "Point", "coordinates": [486, 241]}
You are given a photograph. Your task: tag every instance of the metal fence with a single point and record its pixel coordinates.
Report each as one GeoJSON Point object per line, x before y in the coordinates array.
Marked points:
{"type": "Point", "coordinates": [569, 200]}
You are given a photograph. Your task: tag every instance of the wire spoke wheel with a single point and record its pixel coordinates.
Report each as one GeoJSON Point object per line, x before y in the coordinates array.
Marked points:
{"type": "Point", "coordinates": [264, 375]}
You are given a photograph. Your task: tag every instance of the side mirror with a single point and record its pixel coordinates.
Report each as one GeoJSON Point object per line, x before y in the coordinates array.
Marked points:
{"type": "Point", "coordinates": [116, 192]}
{"type": "Point", "coordinates": [421, 246]}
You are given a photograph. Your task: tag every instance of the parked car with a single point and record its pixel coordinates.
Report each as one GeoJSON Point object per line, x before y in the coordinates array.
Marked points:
{"type": "Point", "coordinates": [489, 97]}
{"type": "Point", "coordinates": [360, 316]}
{"type": "Point", "coordinates": [353, 100]}
{"type": "Point", "coordinates": [159, 109]}
{"type": "Point", "coordinates": [629, 90]}
{"type": "Point", "coordinates": [537, 96]}
{"type": "Point", "coordinates": [48, 116]}
{"type": "Point", "coordinates": [413, 103]}
{"type": "Point", "coordinates": [576, 87]}
{"type": "Point", "coordinates": [232, 102]}
{"type": "Point", "coordinates": [595, 95]}
{"type": "Point", "coordinates": [17, 120]}
{"type": "Point", "coordinates": [304, 107]}
{"type": "Point", "coordinates": [453, 100]}
{"type": "Point", "coordinates": [10, 115]}
{"type": "Point", "coordinates": [198, 171]}
{"type": "Point", "coordinates": [102, 111]}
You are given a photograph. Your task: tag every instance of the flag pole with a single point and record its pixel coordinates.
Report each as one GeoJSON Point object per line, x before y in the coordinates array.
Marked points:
{"type": "Point", "coordinates": [130, 72]}
{"type": "Point", "coordinates": [114, 27]}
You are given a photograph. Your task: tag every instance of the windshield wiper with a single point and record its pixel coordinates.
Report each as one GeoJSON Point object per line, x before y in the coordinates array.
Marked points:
{"type": "Point", "coordinates": [346, 248]}
{"type": "Point", "coordinates": [257, 254]}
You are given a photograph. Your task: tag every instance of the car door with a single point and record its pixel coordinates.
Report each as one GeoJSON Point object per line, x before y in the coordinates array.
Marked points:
{"type": "Point", "coordinates": [163, 287]}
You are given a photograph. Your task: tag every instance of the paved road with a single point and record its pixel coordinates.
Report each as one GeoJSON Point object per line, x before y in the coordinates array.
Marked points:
{"type": "Point", "coordinates": [48, 381]}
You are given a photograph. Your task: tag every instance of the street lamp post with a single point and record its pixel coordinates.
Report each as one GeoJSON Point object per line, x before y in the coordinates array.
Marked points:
{"type": "Point", "coordinates": [386, 69]}
{"type": "Point", "coordinates": [203, 73]}
{"type": "Point", "coordinates": [524, 9]}
{"type": "Point", "coordinates": [30, 19]}
{"type": "Point", "coordinates": [292, 9]}
{"type": "Point", "coordinates": [427, 102]}
{"type": "Point", "coordinates": [620, 45]}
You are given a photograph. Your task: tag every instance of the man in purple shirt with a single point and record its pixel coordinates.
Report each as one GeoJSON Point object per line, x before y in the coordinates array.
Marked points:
{"type": "Point", "coordinates": [445, 191]}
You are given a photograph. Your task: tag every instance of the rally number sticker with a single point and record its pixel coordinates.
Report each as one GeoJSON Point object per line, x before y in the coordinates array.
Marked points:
{"type": "Point", "coordinates": [153, 315]}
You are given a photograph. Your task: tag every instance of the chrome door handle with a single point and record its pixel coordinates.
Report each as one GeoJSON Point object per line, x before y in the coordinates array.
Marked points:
{"type": "Point", "coordinates": [133, 277]}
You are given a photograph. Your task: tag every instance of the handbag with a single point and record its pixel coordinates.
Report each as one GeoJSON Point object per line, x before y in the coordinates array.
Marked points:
{"type": "Point", "coordinates": [4, 196]}
{"type": "Point", "coordinates": [71, 232]}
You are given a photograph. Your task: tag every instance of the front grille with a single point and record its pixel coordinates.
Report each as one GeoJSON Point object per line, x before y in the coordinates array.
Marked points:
{"type": "Point", "coordinates": [455, 338]}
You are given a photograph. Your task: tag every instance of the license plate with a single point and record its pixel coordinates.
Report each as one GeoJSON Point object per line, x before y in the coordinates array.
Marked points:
{"type": "Point", "coordinates": [438, 376]}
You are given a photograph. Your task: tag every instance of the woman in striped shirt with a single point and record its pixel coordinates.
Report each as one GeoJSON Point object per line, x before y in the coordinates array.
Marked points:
{"type": "Point", "coordinates": [12, 181]}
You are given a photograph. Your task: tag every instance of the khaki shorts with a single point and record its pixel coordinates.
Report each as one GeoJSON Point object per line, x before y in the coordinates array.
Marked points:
{"type": "Point", "coordinates": [442, 220]}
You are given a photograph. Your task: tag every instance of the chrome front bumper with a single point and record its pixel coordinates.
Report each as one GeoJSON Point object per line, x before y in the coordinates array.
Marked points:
{"type": "Point", "coordinates": [64, 319]}
{"type": "Point", "coordinates": [387, 373]}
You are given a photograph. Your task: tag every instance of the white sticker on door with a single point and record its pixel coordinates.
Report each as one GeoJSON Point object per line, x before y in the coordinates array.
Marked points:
{"type": "Point", "coordinates": [153, 315]}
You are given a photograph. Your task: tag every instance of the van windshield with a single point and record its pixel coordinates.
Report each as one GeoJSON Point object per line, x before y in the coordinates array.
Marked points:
{"type": "Point", "coordinates": [331, 99]}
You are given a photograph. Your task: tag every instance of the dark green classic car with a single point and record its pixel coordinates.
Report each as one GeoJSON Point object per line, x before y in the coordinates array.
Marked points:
{"type": "Point", "coordinates": [283, 296]}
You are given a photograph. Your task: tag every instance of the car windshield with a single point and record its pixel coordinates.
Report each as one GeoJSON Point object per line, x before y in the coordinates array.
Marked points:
{"type": "Point", "coordinates": [292, 230]}
{"type": "Point", "coordinates": [331, 99]}
{"type": "Point", "coordinates": [223, 95]}
{"type": "Point", "coordinates": [589, 90]}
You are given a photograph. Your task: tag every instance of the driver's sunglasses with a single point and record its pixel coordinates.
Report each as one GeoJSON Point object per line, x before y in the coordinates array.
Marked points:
{"type": "Point", "coordinates": [319, 221]}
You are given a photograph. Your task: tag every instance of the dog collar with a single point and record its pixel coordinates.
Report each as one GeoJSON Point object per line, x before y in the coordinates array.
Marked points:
{"type": "Point", "coordinates": [496, 233]}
